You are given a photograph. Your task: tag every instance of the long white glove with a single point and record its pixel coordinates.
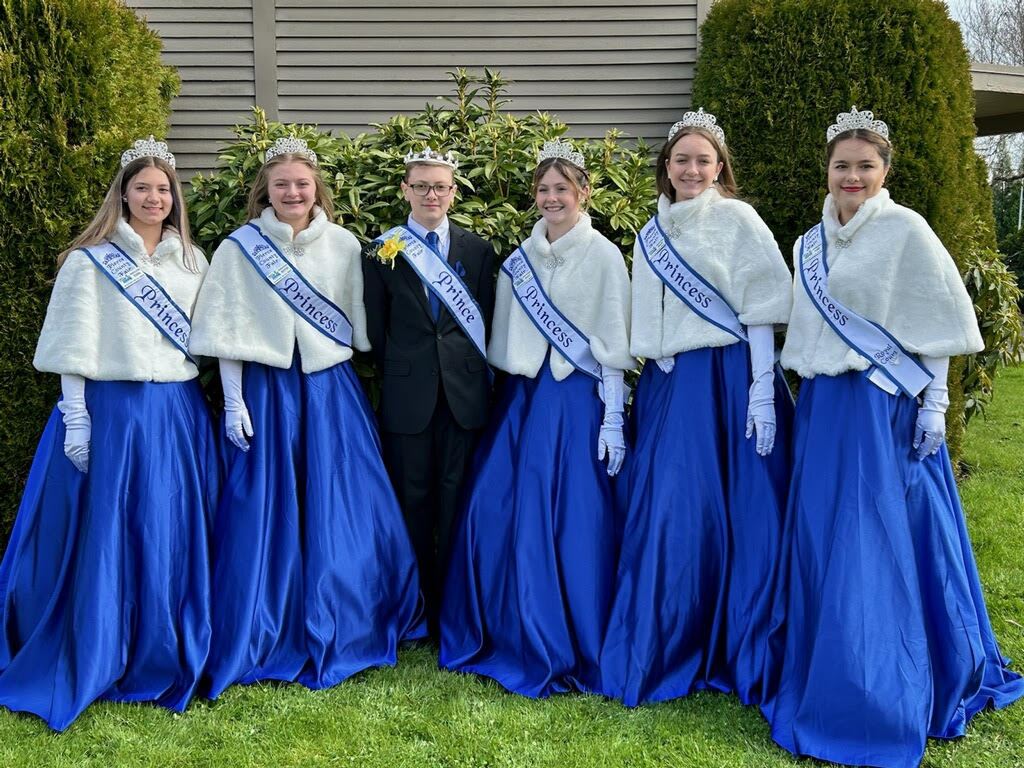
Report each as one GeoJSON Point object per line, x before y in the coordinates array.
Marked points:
{"type": "Point", "coordinates": [666, 364]}
{"type": "Point", "coordinates": [930, 430]}
{"type": "Point", "coordinates": [77, 423]}
{"type": "Point", "coordinates": [610, 440]}
{"type": "Point", "coordinates": [237, 423]}
{"type": "Point", "coordinates": [761, 397]}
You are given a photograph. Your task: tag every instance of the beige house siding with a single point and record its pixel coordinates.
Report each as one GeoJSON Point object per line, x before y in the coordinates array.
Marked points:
{"type": "Point", "coordinates": [597, 64]}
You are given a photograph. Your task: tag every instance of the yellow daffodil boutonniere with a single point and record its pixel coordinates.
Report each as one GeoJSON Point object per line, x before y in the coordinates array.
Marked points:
{"type": "Point", "coordinates": [389, 250]}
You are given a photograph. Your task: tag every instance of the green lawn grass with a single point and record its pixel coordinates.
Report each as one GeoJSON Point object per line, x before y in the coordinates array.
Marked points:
{"type": "Point", "coordinates": [414, 715]}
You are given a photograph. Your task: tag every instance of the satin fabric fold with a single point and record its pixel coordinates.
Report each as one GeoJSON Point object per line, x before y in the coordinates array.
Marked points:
{"type": "Point", "coordinates": [533, 556]}
{"type": "Point", "coordinates": [880, 634]}
{"type": "Point", "coordinates": [314, 576]}
{"type": "Point", "coordinates": [104, 588]}
{"type": "Point", "coordinates": [702, 520]}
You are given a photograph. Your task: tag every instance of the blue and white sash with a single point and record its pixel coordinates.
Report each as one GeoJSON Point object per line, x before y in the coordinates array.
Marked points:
{"type": "Point", "coordinates": [570, 342]}
{"type": "Point", "coordinates": [145, 294]}
{"type": "Point", "coordinates": [438, 276]}
{"type": "Point", "coordinates": [685, 282]}
{"type": "Point", "coordinates": [866, 338]}
{"type": "Point", "coordinates": [281, 275]}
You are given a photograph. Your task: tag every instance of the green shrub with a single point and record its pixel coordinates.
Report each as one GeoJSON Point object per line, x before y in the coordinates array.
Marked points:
{"type": "Point", "coordinates": [497, 154]}
{"type": "Point", "coordinates": [996, 296]}
{"type": "Point", "coordinates": [776, 72]}
{"type": "Point", "coordinates": [79, 80]}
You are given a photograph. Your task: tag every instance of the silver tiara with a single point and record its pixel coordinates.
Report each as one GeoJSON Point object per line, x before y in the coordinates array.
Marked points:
{"type": "Point", "coordinates": [147, 148]}
{"type": "Point", "coordinates": [289, 145]}
{"type": "Point", "coordinates": [561, 150]}
{"type": "Point", "coordinates": [699, 119]}
{"type": "Point", "coordinates": [431, 157]}
{"type": "Point", "coordinates": [849, 121]}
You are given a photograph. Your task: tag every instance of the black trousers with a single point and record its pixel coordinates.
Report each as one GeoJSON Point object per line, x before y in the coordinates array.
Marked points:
{"type": "Point", "coordinates": [428, 470]}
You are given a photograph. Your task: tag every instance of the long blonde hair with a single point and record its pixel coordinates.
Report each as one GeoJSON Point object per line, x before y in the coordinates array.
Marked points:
{"type": "Point", "coordinates": [260, 199]}
{"type": "Point", "coordinates": [114, 208]}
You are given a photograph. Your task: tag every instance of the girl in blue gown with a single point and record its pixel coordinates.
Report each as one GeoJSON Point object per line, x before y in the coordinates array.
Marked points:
{"type": "Point", "coordinates": [703, 495]}
{"type": "Point", "coordinates": [314, 577]}
{"type": "Point", "coordinates": [104, 587]}
{"type": "Point", "coordinates": [532, 559]}
{"type": "Point", "coordinates": [880, 636]}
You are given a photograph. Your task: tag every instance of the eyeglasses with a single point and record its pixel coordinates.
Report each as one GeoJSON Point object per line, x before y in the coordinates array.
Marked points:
{"type": "Point", "coordinates": [441, 190]}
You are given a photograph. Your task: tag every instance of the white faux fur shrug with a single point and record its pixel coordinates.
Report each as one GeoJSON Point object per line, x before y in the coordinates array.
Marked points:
{"type": "Point", "coordinates": [240, 317]}
{"type": "Point", "coordinates": [92, 330]}
{"type": "Point", "coordinates": [894, 271]}
{"type": "Point", "coordinates": [590, 287]}
{"type": "Point", "coordinates": [732, 248]}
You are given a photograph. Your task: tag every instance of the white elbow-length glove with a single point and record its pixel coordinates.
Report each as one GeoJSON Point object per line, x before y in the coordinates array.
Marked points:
{"type": "Point", "coordinates": [930, 430]}
{"type": "Point", "coordinates": [77, 422]}
{"type": "Point", "coordinates": [237, 423]}
{"type": "Point", "coordinates": [761, 396]}
{"type": "Point", "coordinates": [610, 440]}
{"type": "Point", "coordinates": [666, 364]}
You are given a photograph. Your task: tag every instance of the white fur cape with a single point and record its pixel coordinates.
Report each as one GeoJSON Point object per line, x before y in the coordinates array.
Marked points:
{"type": "Point", "coordinates": [894, 271]}
{"type": "Point", "coordinates": [732, 248]}
{"type": "Point", "coordinates": [93, 330]}
{"type": "Point", "coordinates": [240, 317]}
{"type": "Point", "coordinates": [590, 287]}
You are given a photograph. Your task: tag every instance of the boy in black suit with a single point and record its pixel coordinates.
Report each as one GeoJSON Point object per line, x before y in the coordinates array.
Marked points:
{"type": "Point", "coordinates": [436, 386]}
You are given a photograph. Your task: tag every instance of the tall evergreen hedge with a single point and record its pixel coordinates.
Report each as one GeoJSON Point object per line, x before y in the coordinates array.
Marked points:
{"type": "Point", "coordinates": [776, 73]}
{"type": "Point", "coordinates": [79, 80]}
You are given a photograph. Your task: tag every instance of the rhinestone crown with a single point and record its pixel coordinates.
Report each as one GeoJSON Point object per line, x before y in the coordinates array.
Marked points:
{"type": "Point", "coordinates": [289, 145]}
{"type": "Point", "coordinates": [147, 148]}
{"type": "Point", "coordinates": [432, 157]}
{"type": "Point", "coordinates": [561, 150]}
{"type": "Point", "coordinates": [699, 119]}
{"type": "Point", "coordinates": [848, 121]}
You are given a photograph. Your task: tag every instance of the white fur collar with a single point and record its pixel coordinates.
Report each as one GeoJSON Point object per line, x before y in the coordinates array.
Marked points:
{"type": "Point", "coordinates": [725, 241]}
{"type": "Point", "coordinates": [843, 233]}
{"type": "Point", "coordinates": [675, 217]}
{"type": "Point", "coordinates": [575, 241]}
{"type": "Point", "coordinates": [892, 269]}
{"type": "Point", "coordinates": [282, 231]}
{"type": "Point", "coordinates": [585, 277]}
{"type": "Point", "coordinates": [168, 247]}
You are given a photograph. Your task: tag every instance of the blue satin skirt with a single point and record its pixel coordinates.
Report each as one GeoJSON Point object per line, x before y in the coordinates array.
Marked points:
{"type": "Point", "coordinates": [533, 555]}
{"type": "Point", "coordinates": [314, 576]}
{"type": "Point", "coordinates": [703, 517]}
{"type": "Point", "coordinates": [104, 587]}
{"type": "Point", "coordinates": [880, 634]}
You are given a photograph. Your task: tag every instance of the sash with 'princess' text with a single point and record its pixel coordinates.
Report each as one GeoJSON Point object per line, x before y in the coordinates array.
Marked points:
{"type": "Point", "coordinates": [144, 292]}
{"type": "Point", "coordinates": [281, 275]}
{"type": "Point", "coordinates": [867, 338]}
{"type": "Point", "coordinates": [565, 337]}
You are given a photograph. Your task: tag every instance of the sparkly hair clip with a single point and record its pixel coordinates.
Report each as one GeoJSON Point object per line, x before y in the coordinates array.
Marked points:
{"type": "Point", "coordinates": [432, 157]}
{"type": "Point", "coordinates": [147, 148]}
{"type": "Point", "coordinates": [289, 145]}
{"type": "Point", "coordinates": [699, 119]}
{"type": "Point", "coordinates": [852, 120]}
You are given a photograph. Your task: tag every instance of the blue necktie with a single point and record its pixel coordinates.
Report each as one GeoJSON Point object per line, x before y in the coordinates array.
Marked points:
{"type": "Point", "coordinates": [435, 303]}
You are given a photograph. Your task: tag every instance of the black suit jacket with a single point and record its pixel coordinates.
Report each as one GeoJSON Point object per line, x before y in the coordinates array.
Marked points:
{"type": "Point", "coordinates": [413, 354]}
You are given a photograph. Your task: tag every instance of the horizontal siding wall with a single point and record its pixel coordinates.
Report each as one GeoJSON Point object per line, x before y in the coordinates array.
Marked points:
{"type": "Point", "coordinates": [597, 64]}
{"type": "Point", "coordinates": [211, 45]}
